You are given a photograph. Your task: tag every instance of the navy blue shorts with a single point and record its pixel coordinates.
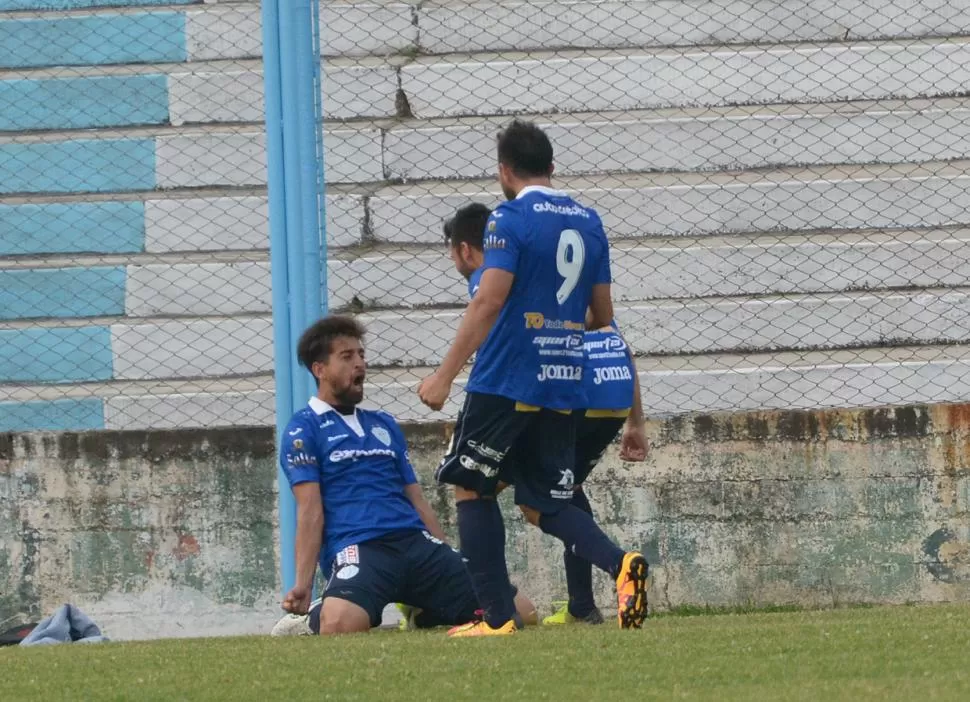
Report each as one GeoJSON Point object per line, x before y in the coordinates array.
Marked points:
{"type": "Point", "coordinates": [481, 454]}
{"type": "Point", "coordinates": [593, 435]}
{"type": "Point", "coordinates": [411, 567]}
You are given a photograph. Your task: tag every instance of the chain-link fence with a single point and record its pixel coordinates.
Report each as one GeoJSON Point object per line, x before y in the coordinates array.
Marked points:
{"type": "Point", "coordinates": [134, 278]}
{"type": "Point", "coordinates": [784, 184]}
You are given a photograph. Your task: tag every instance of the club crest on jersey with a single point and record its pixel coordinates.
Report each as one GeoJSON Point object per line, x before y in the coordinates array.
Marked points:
{"type": "Point", "coordinates": [382, 435]}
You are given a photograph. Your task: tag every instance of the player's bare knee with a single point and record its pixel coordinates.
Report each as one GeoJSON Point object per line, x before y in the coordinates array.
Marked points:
{"type": "Point", "coordinates": [531, 515]}
{"type": "Point", "coordinates": [343, 625]}
{"type": "Point", "coordinates": [342, 617]}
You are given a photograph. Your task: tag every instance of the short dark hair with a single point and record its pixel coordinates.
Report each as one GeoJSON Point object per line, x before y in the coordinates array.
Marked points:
{"type": "Point", "coordinates": [526, 149]}
{"type": "Point", "coordinates": [468, 225]}
{"type": "Point", "coordinates": [316, 344]}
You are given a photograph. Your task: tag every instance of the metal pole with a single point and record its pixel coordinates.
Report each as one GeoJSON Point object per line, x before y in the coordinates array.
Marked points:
{"type": "Point", "coordinates": [309, 127]}
{"type": "Point", "coordinates": [299, 167]}
{"type": "Point", "coordinates": [291, 26]}
{"type": "Point", "coordinates": [318, 130]}
{"type": "Point", "coordinates": [283, 356]}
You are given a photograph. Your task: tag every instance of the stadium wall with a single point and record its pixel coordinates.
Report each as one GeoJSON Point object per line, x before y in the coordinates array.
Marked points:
{"type": "Point", "coordinates": [171, 533]}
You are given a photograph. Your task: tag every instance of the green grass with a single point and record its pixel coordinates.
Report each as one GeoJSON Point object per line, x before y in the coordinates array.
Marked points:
{"type": "Point", "coordinates": [900, 653]}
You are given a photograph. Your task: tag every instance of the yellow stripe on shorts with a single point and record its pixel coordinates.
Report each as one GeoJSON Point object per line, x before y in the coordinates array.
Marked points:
{"type": "Point", "coordinates": [607, 414]}
{"type": "Point", "coordinates": [523, 407]}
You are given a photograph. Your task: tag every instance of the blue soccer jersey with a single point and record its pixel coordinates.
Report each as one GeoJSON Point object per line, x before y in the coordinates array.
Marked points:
{"type": "Point", "coordinates": [361, 463]}
{"type": "Point", "coordinates": [608, 375]}
{"type": "Point", "coordinates": [557, 251]}
{"type": "Point", "coordinates": [607, 370]}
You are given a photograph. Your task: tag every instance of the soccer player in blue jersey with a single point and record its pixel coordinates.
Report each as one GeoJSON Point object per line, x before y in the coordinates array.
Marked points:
{"type": "Point", "coordinates": [360, 511]}
{"type": "Point", "coordinates": [546, 264]}
{"type": "Point", "coordinates": [612, 394]}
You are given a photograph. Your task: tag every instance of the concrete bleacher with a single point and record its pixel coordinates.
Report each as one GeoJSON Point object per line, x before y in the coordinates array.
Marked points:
{"type": "Point", "coordinates": [785, 183]}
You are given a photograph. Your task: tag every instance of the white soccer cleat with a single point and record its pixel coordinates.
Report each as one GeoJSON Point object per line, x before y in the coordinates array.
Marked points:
{"type": "Point", "coordinates": [292, 625]}
{"type": "Point", "coordinates": [295, 624]}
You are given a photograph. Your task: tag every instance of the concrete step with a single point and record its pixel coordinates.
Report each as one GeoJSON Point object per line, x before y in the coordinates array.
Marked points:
{"type": "Point", "coordinates": [67, 6]}
{"type": "Point", "coordinates": [803, 380]}
{"type": "Point", "coordinates": [216, 347]}
{"type": "Point", "coordinates": [484, 25]}
{"type": "Point", "coordinates": [674, 204]}
{"type": "Point", "coordinates": [178, 222]}
{"type": "Point", "coordinates": [657, 270]}
{"type": "Point", "coordinates": [571, 81]}
{"type": "Point", "coordinates": [720, 325]}
{"type": "Point", "coordinates": [490, 84]}
{"type": "Point", "coordinates": [696, 139]}
{"type": "Point", "coordinates": [231, 158]}
{"type": "Point", "coordinates": [450, 26]}
{"type": "Point", "coordinates": [157, 94]}
{"type": "Point", "coordinates": [149, 32]}
{"type": "Point", "coordinates": [634, 206]}
{"type": "Point", "coordinates": [140, 32]}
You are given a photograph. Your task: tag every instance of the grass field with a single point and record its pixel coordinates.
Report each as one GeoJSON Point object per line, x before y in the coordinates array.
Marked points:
{"type": "Point", "coordinates": [902, 653]}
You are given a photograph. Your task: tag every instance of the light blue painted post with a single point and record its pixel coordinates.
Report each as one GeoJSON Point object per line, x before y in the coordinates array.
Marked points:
{"type": "Point", "coordinates": [284, 360]}
{"type": "Point", "coordinates": [310, 135]}
{"type": "Point", "coordinates": [321, 181]}
{"type": "Point", "coordinates": [290, 87]}
{"type": "Point", "coordinates": [294, 144]}
{"type": "Point", "coordinates": [303, 130]}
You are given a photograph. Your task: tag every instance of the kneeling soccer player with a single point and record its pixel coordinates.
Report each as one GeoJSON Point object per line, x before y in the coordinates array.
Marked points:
{"type": "Point", "coordinates": [383, 543]}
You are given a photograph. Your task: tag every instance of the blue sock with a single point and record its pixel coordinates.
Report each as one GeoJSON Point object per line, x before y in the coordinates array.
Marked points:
{"type": "Point", "coordinates": [581, 535]}
{"type": "Point", "coordinates": [482, 534]}
{"type": "Point", "coordinates": [579, 573]}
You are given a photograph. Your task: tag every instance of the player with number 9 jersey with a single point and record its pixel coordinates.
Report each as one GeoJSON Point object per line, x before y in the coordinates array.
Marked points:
{"type": "Point", "coordinates": [557, 251]}
{"type": "Point", "coordinates": [546, 262]}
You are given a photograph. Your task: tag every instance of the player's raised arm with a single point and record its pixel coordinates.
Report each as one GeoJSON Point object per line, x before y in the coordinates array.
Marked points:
{"type": "Point", "coordinates": [501, 259]}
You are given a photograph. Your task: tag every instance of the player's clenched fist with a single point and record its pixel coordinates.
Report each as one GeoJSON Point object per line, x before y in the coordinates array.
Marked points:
{"type": "Point", "coordinates": [633, 445]}
{"type": "Point", "coordinates": [434, 390]}
{"type": "Point", "coordinates": [297, 600]}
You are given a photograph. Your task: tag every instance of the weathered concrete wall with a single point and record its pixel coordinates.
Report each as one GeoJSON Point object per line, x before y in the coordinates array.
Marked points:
{"type": "Point", "coordinates": [152, 533]}
{"type": "Point", "coordinates": [172, 533]}
{"type": "Point", "coordinates": [807, 508]}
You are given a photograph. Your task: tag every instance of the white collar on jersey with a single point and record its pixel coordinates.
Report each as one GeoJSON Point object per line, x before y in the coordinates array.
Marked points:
{"type": "Point", "coordinates": [544, 189]}
{"type": "Point", "coordinates": [321, 408]}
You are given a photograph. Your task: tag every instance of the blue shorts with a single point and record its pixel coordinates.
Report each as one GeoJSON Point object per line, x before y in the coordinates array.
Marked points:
{"type": "Point", "coordinates": [542, 465]}
{"type": "Point", "coordinates": [411, 567]}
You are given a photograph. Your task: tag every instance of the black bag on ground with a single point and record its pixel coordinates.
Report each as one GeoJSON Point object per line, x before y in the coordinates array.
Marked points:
{"type": "Point", "coordinates": [13, 637]}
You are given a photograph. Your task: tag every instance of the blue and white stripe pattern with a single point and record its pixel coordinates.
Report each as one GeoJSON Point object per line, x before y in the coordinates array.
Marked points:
{"type": "Point", "coordinates": [134, 281]}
